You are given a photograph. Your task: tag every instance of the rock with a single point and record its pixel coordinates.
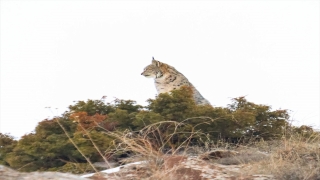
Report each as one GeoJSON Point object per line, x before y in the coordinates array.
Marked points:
{"type": "Point", "coordinates": [168, 167]}
{"type": "Point", "coordinates": [9, 174]}
{"type": "Point", "coordinates": [178, 167]}
{"type": "Point", "coordinates": [227, 157]}
{"type": "Point", "coordinates": [217, 154]}
{"type": "Point", "coordinates": [194, 168]}
{"type": "Point", "coordinates": [106, 165]}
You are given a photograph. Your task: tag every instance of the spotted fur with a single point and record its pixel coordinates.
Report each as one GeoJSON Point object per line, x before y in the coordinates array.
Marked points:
{"type": "Point", "coordinates": [167, 78]}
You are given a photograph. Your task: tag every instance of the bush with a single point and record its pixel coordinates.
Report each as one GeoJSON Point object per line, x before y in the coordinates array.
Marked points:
{"type": "Point", "coordinates": [169, 121]}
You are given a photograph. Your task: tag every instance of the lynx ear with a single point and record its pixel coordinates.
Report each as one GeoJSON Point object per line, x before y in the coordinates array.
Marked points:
{"type": "Point", "coordinates": [152, 58]}
{"type": "Point", "coordinates": [157, 63]}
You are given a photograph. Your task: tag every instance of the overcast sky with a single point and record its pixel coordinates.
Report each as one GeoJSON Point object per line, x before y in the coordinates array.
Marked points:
{"type": "Point", "coordinates": [56, 52]}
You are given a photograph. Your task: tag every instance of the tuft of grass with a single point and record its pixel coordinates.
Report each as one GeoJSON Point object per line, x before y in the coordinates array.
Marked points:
{"type": "Point", "coordinates": [153, 145]}
{"type": "Point", "coordinates": [292, 157]}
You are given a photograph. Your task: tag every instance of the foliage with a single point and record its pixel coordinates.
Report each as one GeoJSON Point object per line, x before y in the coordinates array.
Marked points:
{"type": "Point", "coordinates": [174, 106]}
{"type": "Point", "coordinates": [86, 122]}
{"type": "Point", "coordinates": [7, 143]}
{"type": "Point", "coordinates": [257, 120]}
{"type": "Point", "coordinates": [304, 130]}
{"type": "Point", "coordinates": [128, 105]}
{"type": "Point", "coordinates": [92, 107]}
{"type": "Point", "coordinates": [44, 148]}
{"type": "Point", "coordinates": [49, 147]}
{"type": "Point", "coordinates": [170, 120]}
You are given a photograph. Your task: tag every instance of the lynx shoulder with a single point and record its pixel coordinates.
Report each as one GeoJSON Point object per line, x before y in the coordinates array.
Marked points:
{"type": "Point", "coordinates": [167, 78]}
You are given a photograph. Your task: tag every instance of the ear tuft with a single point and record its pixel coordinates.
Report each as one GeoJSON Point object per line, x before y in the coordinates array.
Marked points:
{"type": "Point", "coordinates": [152, 58]}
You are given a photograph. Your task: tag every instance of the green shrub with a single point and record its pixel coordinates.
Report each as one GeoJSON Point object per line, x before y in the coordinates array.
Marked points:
{"type": "Point", "coordinates": [168, 121]}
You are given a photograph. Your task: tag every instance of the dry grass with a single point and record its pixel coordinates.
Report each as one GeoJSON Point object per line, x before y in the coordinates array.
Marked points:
{"type": "Point", "coordinates": [293, 157]}
{"type": "Point", "coordinates": [151, 144]}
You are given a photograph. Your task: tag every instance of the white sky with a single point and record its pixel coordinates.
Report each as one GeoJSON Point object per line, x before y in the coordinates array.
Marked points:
{"type": "Point", "coordinates": [55, 52]}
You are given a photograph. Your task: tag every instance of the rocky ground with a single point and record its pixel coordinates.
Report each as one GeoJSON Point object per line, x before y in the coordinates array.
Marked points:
{"type": "Point", "coordinates": [9, 174]}
{"type": "Point", "coordinates": [218, 164]}
{"type": "Point", "coordinates": [262, 161]}
{"type": "Point", "coordinates": [182, 168]}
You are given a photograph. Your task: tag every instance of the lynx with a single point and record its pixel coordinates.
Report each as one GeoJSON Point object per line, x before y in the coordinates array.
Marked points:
{"type": "Point", "coordinates": [167, 78]}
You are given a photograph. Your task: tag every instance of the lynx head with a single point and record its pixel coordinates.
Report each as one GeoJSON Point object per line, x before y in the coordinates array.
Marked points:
{"type": "Point", "coordinates": [155, 70]}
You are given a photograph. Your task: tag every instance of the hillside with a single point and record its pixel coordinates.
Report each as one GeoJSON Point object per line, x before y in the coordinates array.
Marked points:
{"type": "Point", "coordinates": [173, 137]}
